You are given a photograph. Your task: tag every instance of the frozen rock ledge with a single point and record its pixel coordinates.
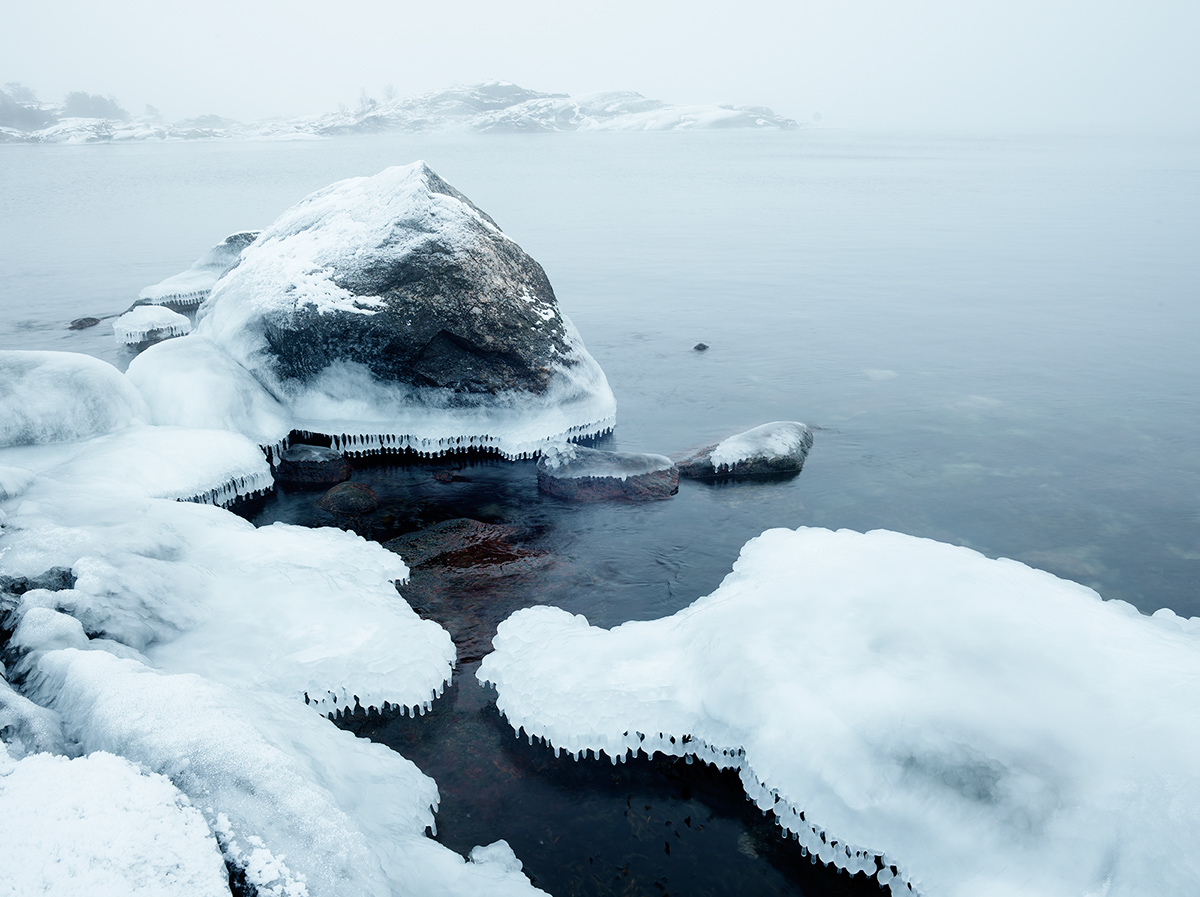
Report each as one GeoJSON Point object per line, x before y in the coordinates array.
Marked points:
{"type": "Point", "coordinates": [907, 709]}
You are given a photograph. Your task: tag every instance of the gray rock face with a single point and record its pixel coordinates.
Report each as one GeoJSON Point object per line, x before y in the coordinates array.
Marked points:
{"type": "Point", "coordinates": [776, 448]}
{"type": "Point", "coordinates": [414, 282]}
{"type": "Point", "coordinates": [577, 473]}
{"type": "Point", "coordinates": [312, 464]}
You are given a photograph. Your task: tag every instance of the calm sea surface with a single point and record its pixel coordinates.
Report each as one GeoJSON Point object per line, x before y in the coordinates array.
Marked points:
{"type": "Point", "coordinates": [994, 339]}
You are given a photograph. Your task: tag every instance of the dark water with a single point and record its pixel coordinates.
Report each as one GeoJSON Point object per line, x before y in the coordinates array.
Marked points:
{"type": "Point", "coordinates": [993, 338]}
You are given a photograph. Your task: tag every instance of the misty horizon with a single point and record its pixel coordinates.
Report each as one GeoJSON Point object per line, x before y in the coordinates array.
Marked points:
{"type": "Point", "coordinates": [1064, 65]}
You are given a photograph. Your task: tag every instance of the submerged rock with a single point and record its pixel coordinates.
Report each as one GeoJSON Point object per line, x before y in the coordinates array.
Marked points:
{"type": "Point", "coordinates": [779, 447]}
{"type": "Point", "coordinates": [349, 499]}
{"type": "Point", "coordinates": [83, 323]}
{"type": "Point", "coordinates": [466, 545]}
{"type": "Point", "coordinates": [578, 473]}
{"type": "Point", "coordinates": [191, 287]}
{"type": "Point", "coordinates": [312, 464]}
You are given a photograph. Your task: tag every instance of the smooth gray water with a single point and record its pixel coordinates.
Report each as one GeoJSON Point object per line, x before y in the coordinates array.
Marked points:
{"type": "Point", "coordinates": [994, 337]}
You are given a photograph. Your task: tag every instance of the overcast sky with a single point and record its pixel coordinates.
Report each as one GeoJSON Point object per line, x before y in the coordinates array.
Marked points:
{"type": "Point", "coordinates": [1017, 64]}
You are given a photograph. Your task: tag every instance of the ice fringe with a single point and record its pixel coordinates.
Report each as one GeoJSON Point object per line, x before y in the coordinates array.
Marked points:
{"type": "Point", "coordinates": [147, 322]}
{"type": "Point", "coordinates": [233, 490]}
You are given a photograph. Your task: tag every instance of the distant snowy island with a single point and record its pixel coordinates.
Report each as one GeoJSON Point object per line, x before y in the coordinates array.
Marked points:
{"type": "Point", "coordinates": [491, 106]}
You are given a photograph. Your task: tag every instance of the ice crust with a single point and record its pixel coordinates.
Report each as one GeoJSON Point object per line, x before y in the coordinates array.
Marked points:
{"type": "Point", "coordinates": [62, 397]}
{"type": "Point", "coordinates": [97, 826]}
{"type": "Point", "coordinates": [208, 651]}
{"type": "Point", "coordinates": [906, 708]}
{"type": "Point", "coordinates": [779, 439]}
{"type": "Point", "coordinates": [190, 288]}
{"type": "Point", "coordinates": [569, 460]}
{"type": "Point", "coordinates": [149, 321]}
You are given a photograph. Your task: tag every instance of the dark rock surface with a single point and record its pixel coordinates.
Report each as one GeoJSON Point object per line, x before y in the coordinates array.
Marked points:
{"type": "Point", "coordinates": [576, 473]}
{"type": "Point", "coordinates": [54, 580]}
{"type": "Point", "coordinates": [775, 449]}
{"type": "Point", "coordinates": [83, 323]}
{"type": "Point", "coordinates": [429, 291]}
{"type": "Point", "coordinates": [312, 464]}
{"type": "Point", "coordinates": [349, 500]}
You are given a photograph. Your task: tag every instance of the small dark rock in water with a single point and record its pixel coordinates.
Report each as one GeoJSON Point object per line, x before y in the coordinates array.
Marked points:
{"type": "Point", "coordinates": [83, 323]}
{"type": "Point", "coordinates": [312, 464]}
{"type": "Point", "coordinates": [582, 474]}
{"type": "Point", "coordinates": [701, 347]}
{"type": "Point", "coordinates": [349, 499]}
{"type": "Point", "coordinates": [776, 448]}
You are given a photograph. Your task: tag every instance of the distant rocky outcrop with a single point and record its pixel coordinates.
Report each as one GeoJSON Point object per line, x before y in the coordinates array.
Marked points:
{"type": "Point", "coordinates": [487, 106]}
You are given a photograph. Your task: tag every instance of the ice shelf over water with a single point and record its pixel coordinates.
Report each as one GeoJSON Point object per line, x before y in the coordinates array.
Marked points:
{"type": "Point", "coordinates": [149, 322]}
{"type": "Point", "coordinates": [906, 708]}
{"type": "Point", "coordinates": [191, 287]}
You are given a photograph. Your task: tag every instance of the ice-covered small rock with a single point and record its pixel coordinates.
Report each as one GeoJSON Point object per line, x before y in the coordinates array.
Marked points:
{"type": "Point", "coordinates": [26, 728]}
{"type": "Point", "coordinates": [779, 447]}
{"type": "Point", "coordinates": [98, 826]}
{"type": "Point", "coordinates": [984, 727]}
{"type": "Point", "coordinates": [190, 288]}
{"type": "Point", "coordinates": [579, 473]}
{"type": "Point", "coordinates": [315, 464]}
{"type": "Point", "coordinates": [498, 854]}
{"type": "Point", "coordinates": [149, 324]}
{"type": "Point", "coordinates": [62, 397]}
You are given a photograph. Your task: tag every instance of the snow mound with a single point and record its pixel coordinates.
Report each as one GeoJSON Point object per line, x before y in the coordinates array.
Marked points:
{"type": "Point", "coordinates": [95, 825]}
{"type": "Point", "coordinates": [149, 322]}
{"type": "Point", "coordinates": [190, 288]}
{"type": "Point", "coordinates": [907, 709]}
{"type": "Point", "coordinates": [192, 383]}
{"type": "Point", "coordinates": [62, 397]}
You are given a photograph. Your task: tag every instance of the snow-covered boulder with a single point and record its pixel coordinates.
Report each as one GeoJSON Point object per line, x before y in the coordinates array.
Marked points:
{"type": "Point", "coordinates": [62, 397]}
{"type": "Point", "coordinates": [906, 708]}
{"type": "Point", "coordinates": [579, 473]}
{"type": "Point", "coordinates": [779, 447]}
{"type": "Point", "coordinates": [149, 324]}
{"type": "Point", "coordinates": [392, 313]}
{"type": "Point", "coordinates": [189, 288]}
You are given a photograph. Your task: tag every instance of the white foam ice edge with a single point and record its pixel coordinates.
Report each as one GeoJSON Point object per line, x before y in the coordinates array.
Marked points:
{"type": "Point", "coordinates": [912, 710]}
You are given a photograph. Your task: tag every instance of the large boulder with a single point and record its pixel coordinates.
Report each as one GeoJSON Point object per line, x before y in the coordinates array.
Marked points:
{"type": "Point", "coordinates": [578, 473]}
{"type": "Point", "coordinates": [392, 307]}
{"type": "Point", "coordinates": [779, 447]}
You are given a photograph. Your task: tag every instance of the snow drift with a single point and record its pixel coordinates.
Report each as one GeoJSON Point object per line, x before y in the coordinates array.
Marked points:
{"type": "Point", "coordinates": [907, 709]}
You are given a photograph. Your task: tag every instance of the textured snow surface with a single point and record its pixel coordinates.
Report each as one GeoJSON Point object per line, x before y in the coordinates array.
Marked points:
{"type": "Point", "coordinates": [778, 439]}
{"type": "Point", "coordinates": [190, 645]}
{"type": "Point", "coordinates": [137, 324]}
{"type": "Point", "coordinates": [61, 397]}
{"type": "Point", "coordinates": [96, 826]}
{"type": "Point", "coordinates": [980, 726]}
